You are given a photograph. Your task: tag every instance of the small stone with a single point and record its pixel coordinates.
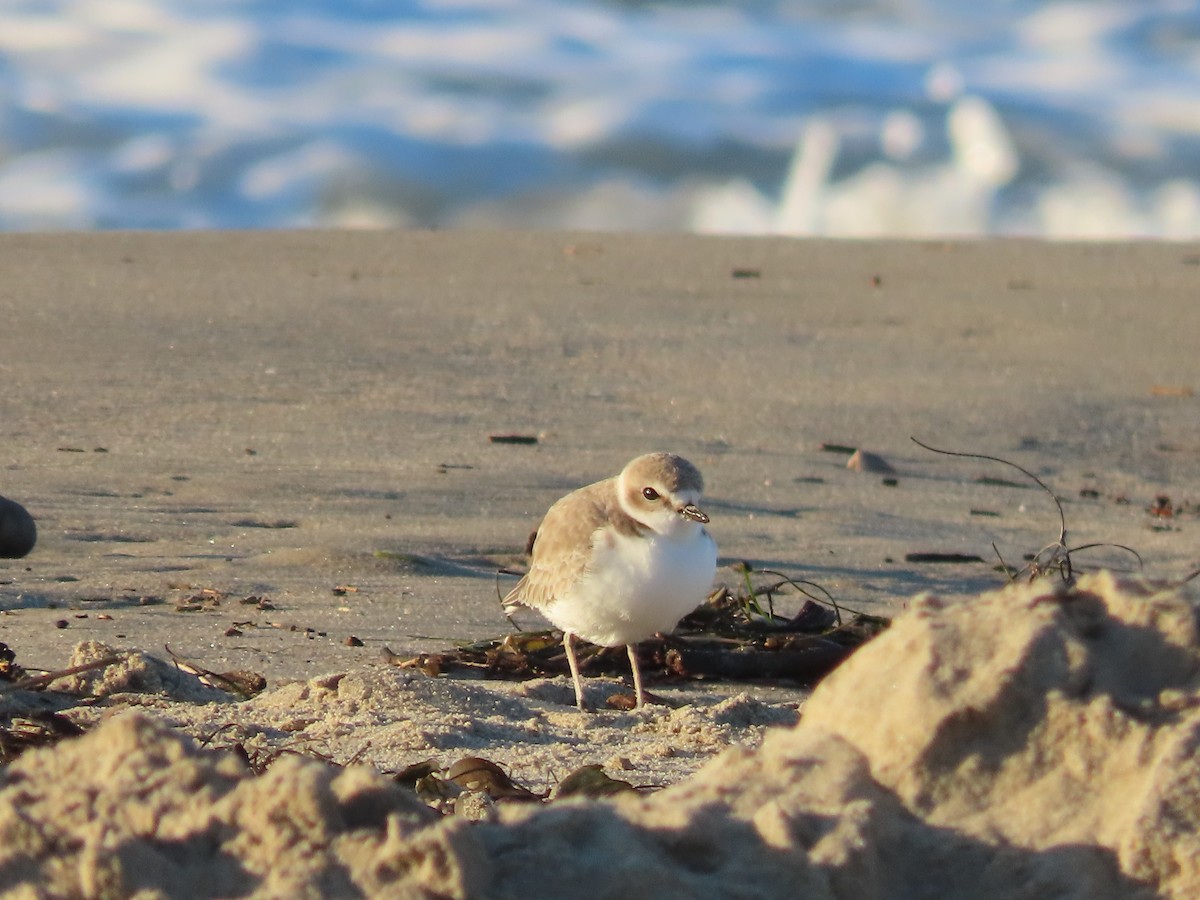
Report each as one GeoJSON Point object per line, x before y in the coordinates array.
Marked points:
{"type": "Point", "coordinates": [865, 461]}
{"type": "Point", "coordinates": [353, 641]}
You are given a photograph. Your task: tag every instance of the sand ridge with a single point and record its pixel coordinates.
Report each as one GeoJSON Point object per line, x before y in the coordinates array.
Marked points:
{"type": "Point", "coordinates": [1033, 742]}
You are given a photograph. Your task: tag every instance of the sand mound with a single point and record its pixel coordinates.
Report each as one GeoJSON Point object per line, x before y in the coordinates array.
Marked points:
{"type": "Point", "coordinates": [1031, 743]}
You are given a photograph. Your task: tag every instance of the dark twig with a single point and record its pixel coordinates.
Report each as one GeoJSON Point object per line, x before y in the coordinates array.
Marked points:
{"type": "Point", "coordinates": [500, 595]}
{"type": "Point", "coordinates": [1062, 518]}
{"type": "Point", "coordinates": [1059, 553]}
{"type": "Point", "coordinates": [34, 682]}
{"type": "Point", "coordinates": [1009, 571]}
{"type": "Point", "coordinates": [1137, 556]}
{"type": "Point", "coordinates": [828, 599]}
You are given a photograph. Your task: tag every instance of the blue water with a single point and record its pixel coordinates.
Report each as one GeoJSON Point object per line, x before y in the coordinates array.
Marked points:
{"type": "Point", "coordinates": [894, 117]}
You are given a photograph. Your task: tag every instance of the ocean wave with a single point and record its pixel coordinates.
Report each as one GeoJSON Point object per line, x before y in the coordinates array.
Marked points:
{"type": "Point", "coordinates": [1064, 119]}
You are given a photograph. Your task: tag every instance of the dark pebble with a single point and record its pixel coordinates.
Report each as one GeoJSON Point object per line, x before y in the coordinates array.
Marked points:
{"type": "Point", "coordinates": [18, 533]}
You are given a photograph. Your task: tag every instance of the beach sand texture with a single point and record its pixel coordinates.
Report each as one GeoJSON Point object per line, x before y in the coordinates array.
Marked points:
{"type": "Point", "coordinates": [302, 421]}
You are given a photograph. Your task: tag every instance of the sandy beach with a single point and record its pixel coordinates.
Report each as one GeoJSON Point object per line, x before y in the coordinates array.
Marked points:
{"type": "Point", "coordinates": [252, 447]}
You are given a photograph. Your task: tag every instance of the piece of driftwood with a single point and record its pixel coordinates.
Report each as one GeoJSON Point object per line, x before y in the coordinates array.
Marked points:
{"type": "Point", "coordinates": [805, 659]}
{"type": "Point", "coordinates": [729, 637]}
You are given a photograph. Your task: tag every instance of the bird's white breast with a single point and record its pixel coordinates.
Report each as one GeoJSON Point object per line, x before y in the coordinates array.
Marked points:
{"type": "Point", "coordinates": [637, 585]}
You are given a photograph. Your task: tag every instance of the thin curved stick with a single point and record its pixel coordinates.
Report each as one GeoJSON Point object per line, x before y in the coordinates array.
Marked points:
{"type": "Point", "coordinates": [837, 607]}
{"type": "Point", "coordinates": [1062, 518]}
{"type": "Point", "coordinates": [837, 610]}
{"type": "Point", "coordinates": [1008, 570]}
{"type": "Point", "coordinates": [1138, 556]}
{"type": "Point", "coordinates": [500, 595]}
{"type": "Point", "coordinates": [37, 682]}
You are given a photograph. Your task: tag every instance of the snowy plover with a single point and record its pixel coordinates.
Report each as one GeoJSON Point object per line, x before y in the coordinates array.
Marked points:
{"type": "Point", "coordinates": [621, 559]}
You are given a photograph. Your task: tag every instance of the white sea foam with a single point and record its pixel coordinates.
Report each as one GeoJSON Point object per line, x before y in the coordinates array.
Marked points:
{"type": "Point", "coordinates": [1064, 119]}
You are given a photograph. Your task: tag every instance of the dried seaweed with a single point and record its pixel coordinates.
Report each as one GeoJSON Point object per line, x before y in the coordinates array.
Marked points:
{"type": "Point", "coordinates": [591, 781]}
{"type": "Point", "coordinates": [446, 789]}
{"type": "Point", "coordinates": [731, 636]}
{"type": "Point", "coordinates": [9, 670]}
{"type": "Point", "coordinates": [19, 733]}
{"type": "Point", "coordinates": [474, 774]}
{"type": "Point", "coordinates": [242, 683]}
{"type": "Point", "coordinates": [23, 727]}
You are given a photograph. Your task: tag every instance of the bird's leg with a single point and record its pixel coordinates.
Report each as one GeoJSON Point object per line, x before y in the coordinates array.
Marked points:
{"type": "Point", "coordinates": [631, 649]}
{"type": "Point", "coordinates": [569, 646]}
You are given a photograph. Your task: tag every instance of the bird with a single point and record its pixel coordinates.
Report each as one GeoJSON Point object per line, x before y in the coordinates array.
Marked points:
{"type": "Point", "coordinates": [621, 559]}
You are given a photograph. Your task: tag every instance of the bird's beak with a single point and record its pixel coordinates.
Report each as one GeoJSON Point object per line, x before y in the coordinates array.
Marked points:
{"type": "Point", "coordinates": [693, 512]}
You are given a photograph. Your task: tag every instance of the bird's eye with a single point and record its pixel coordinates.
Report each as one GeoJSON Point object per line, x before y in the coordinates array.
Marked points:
{"type": "Point", "coordinates": [650, 493]}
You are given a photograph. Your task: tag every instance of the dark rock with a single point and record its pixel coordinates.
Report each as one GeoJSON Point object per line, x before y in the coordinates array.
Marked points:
{"type": "Point", "coordinates": [18, 533]}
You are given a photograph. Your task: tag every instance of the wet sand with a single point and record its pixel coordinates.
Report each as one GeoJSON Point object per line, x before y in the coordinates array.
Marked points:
{"type": "Point", "coordinates": [249, 448]}
{"type": "Point", "coordinates": [276, 415]}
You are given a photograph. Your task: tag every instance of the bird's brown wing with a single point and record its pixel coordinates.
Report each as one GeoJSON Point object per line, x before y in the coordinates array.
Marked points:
{"type": "Point", "coordinates": [562, 549]}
